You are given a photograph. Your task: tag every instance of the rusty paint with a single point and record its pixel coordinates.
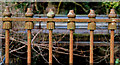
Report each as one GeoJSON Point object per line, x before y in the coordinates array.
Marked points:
{"type": "Point", "coordinates": [71, 14]}
{"type": "Point", "coordinates": [59, 20]}
{"type": "Point", "coordinates": [71, 48]}
{"type": "Point", "coordinates": [71, 27]}
{"type": "Point", "coordinates": [29, 25]}
{"type": "Point", "coordinates": [91, 47]}
{"type": "Point", "coordinates": [112, 27]}
{"type": "Point", "coordinates": [7, 46]}
{"type": "Point", "coordinates": [112, 47]}
{"type": "Point", "coordinates": [29, 47]}
{"type": "Point", "coordinates": [91, 27]}
{"type": "Point", "coordinates": [50, 47]}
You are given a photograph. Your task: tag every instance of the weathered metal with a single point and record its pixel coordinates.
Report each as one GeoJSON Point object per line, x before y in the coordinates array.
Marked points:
{"type": "Point", "coordinates": [91, 46]}
{"type": "Point", "coordinates": [112, 14]}
{"type": "Point", "coordinates": [112, 47]}
{"type": "Point", "coordinates": [71, 24]}
{"type": "Point", "coordinates": [50, 26]}
{"type": "Point", "coordinates": [29, 47]}
{"type": "Point", "coordinates": [112, 27]}
{"type": "Point", "coordinates": [71, 27]}
{"type": "Point", "coordinates": [71, 48]}
{"type": "Point", "coordinates": [29, 25]}
{"type": "Point", "coordinates": [71, 14]}
{"type": "Point", "coordinates": [6, 12]}
{"type": "Point", "coordinates": [91, 27]}
{"type": "Point", "coordinates": [29, 13]}
{"type": "Point", "coordinates": [92, 14]}
{"type": "Point", "coordinates": [50, 14]}
{"type": "Point", "coordinates": [50, 47]}
{"type": "Point", "coordinates": [7, 25]}
{"type": "Point", "coordinates": [59, 19]}
{"type": "Point", "coordinates": [7, 47]}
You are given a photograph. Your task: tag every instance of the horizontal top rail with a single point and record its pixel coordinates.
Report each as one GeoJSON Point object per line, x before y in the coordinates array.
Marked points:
{"type": "Point", "coordinates": [77, 15]}
{"type": "Point", "coordinates": [59, 19]}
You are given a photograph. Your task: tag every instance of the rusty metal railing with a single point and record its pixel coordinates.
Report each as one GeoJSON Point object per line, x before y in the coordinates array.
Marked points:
{"type": "Point", "coordinates": [51, 25]}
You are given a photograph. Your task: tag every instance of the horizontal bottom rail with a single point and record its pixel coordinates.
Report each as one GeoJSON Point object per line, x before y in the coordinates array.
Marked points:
{"type": "Point", "coordinates": [64, 43]}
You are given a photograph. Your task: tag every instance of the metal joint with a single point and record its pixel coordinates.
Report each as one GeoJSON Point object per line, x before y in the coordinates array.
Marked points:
{"type": "Point", "coordinates": [51, 25]}
{"type": "Point", "coordinates": [92, 26]}
{"type": "Point", "coordinates": [71, 25]}
{"type": "Point", "coordinates": [112, 26]}
{"type": "Point", "coordinates": [29, 25]}
{"type": "Point", "coordinates": [7, 25]}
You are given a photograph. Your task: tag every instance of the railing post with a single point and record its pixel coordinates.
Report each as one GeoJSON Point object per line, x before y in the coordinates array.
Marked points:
{"type": "Point", "coordinates": [29, 25]}
{"type": "Point", "coordinates": [7, 25]}
{"type": "Point", "coordinates": [91, 27]}
{"type": "Point", "coordinates": [50, 26]}
{"type": "Point", "coordinates": [112, 27]}
{"type": "Point", "coordinates": [71, 27]}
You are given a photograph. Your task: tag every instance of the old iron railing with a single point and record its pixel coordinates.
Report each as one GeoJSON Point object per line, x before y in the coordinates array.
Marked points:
{"type": "Point", "coordinates": [51, 25]}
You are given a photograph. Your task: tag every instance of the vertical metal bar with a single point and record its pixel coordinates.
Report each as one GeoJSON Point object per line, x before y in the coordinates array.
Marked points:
{"type": "Point", "coordinates": [71, 48]}
{"type": "Point", "coordinates": [71, 27]}
{"type": "Point", "coordinates": [91, 47]}
{"type": "Point", "coordinates": [91, 27]}
{"type": "Point", "coordinates": [29, 26]}
{"type": "Point", "coordinates": [112, 26]}
{"type": "Point", "coordinates": [112, 48]}
{"type": "Point", "coordinates": [29, 47]}
{"type": "Point", "coordinates": [50, 47]}
{"type": "Point", "coordinates": [7, 46]}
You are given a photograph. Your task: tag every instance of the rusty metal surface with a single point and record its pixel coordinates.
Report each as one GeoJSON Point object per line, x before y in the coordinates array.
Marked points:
{"type": "Point", "coordinates": [29, 47]}
{"type": "Point", "coordinates": [50, 47]}
{"type": "Point", "coordinates": [92, 14]}
{"type": "Point", "coordinates": [71, 14]}
{"type": "Point", "coordinates": [7, 47]}
{"type": "Point", "coordinates": [7, 25]}
{"type": "Point", "coordinates": [50, 25]}
{"type": "Point", "coordinates": [51, 14]}
{"type": "Point", "coordinates": [91, 46]}
{"type": "Point", "coordinates": [71, 25]}
{"type": "Point", "coordinates": [112, 47]}
{"type": "Point", "coordinates": [92, 26]}
{"type": "Point", "coordinates": [71, 48]}
{"type": "Point", "coordinates": [29, 25]}
{"type": "Point", "coordinates": [59, 19]}
{"type": "Point", "coordinates": [29, 12]}
{"type": "Point", "coordinates": [112, 14]}
{"type": "Point", "coordinates": [7, 12]}
{"type": "Point", "coordinates": [112, 26]}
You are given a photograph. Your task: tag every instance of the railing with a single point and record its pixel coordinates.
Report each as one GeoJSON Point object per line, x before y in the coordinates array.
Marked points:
{"type": "Point", "coordinates": [51, 25]}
